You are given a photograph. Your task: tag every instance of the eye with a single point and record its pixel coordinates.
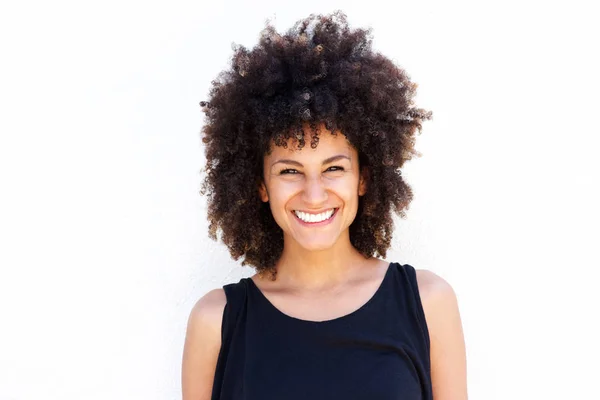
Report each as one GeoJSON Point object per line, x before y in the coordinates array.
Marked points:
{"type": "Point", "coordinates": [288, 171]}
{"type": "Point", "coordinates": [335, 168]}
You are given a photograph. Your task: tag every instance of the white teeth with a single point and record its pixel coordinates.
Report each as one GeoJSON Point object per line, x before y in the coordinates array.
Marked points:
{"type": "Point", "coordinates": [314, 218]}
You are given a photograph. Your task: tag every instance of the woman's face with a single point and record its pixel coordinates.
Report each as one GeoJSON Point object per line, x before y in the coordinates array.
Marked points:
{"type": "Point", "coordinates": [313, 193]}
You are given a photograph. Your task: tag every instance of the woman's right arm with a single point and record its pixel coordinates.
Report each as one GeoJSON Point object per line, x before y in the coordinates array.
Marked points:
{"type": "Point", "coordinates": [202, 346]}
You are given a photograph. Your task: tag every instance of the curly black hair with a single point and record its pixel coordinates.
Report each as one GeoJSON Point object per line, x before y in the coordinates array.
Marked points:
{"type": "Point", "coordinates": [319, 72]}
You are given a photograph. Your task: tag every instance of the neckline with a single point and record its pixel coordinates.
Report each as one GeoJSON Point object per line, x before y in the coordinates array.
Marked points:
{"type": "Point", "coordinates": [327, 321]}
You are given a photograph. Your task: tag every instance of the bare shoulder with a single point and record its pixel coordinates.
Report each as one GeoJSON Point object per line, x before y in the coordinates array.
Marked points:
{"type": "Point", "coordinates": [448, 352]}
{"type": "Point", "coordinates": [439, 300]}
{"type": "Point", "coordinates": [204, 322]}
{"type": "Point", "coordinates": [202, 345]}
{"type": "Point", "coordinates": [208, 310]}
{"type": "Point", "coordinates": [433, 288]}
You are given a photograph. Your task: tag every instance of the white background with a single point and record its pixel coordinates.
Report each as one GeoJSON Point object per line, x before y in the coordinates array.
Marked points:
{"type": "Point", "coordinates": [103, 239]}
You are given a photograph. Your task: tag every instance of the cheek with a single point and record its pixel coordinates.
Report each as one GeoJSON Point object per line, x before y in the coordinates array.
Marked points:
{"type": "Point", "coordinates": [346, 188]}
{"type": "Point", "coordinates": [281, 192]}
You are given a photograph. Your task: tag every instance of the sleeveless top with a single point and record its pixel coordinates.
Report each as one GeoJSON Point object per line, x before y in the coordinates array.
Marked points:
{"type": "Point", "coordinates": [378, 352]}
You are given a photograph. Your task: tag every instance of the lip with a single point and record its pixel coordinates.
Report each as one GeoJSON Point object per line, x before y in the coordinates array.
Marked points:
{"type": "Point", "coordinates": [317, 224]}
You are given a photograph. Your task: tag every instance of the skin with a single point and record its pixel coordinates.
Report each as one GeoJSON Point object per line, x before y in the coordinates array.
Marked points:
{"type": "Point", "coordinates": [320, 275]}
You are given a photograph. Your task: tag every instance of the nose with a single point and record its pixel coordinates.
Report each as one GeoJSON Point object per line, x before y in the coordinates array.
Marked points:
{"type": "Point", "coordinates": [315, 192]}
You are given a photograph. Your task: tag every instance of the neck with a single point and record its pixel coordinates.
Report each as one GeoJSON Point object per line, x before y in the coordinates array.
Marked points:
{"type": "Point", "coordinates": [321, 269]}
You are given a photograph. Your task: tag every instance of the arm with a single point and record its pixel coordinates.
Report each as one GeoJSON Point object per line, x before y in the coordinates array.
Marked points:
{"type": "Point", "coordinates": [447, 350]}
{"type": "Point", "coordinates": [202, 346]}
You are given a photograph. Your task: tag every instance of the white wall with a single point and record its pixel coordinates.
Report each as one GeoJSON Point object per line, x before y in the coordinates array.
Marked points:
{"type": "Point", "coordinates": [103, 239]}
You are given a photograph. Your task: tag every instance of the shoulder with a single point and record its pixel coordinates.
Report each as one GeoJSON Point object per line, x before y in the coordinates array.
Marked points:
{"type": "Point", "coordinates": [433, 288]}
{"type": "Point", "coordinates": [202, 345]}
{"type": "Point", "coordinates": [207, 313]}
{"type": "Point", "coordinates": [447, 344]}
{"type": "Point", "coordinates": [437, 297]}
{"type": "Point", "coordinates": [203, 333]}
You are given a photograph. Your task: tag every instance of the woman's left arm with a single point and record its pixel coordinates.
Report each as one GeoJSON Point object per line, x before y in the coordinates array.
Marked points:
{"type": "Point", "coordinates": [447, 343]}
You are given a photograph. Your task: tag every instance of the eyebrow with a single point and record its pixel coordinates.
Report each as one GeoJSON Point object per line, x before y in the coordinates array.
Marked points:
{"type": "Point", "coordinates": [326, 161]}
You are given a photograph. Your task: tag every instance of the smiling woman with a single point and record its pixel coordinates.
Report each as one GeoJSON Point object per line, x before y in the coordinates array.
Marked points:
{"type": "Point", "coordinates": [325, 316]}
{"type": "Point", "coordinates": [313, 193]}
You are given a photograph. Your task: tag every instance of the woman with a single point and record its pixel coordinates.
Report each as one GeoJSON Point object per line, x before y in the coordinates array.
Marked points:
{"type": "Point", "coordinates": [305, 138]}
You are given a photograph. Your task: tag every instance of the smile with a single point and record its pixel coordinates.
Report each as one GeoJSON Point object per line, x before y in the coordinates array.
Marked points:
{"type": "Point", "coordinates": [315, 218]}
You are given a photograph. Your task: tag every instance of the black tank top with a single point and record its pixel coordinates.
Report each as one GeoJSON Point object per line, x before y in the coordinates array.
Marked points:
{"type": "Point", "coordinates": [378, 352]}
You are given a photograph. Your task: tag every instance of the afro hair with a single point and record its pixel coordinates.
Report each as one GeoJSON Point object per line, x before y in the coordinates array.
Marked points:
{"type": "Point", "coordinates": [319, 72]}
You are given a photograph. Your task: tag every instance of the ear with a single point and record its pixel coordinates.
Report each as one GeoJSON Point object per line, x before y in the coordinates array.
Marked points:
{"type": "Point", "coordinates": [262, 191]}
{"type": "Point", "coordinates": [363, 180]}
